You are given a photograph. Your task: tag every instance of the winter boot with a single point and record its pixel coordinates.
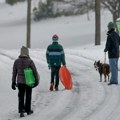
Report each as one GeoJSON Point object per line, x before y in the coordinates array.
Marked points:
{"type": "Point", "coordinates": [30, 112]}
{"type": "Point", "coordinates": [22, 114]}
{"type": "Point", "coordinates": [56, 88]}
{"type": "Point", "coordinates": [51, 87]}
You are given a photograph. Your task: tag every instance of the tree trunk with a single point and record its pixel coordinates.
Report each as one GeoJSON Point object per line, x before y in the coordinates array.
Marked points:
{"type": "Point", "coordinates": [87, 6]}
{"type": "Point", "coordinates": [28, 43]}
{"type": "Point", "coordinates": [97, 23]}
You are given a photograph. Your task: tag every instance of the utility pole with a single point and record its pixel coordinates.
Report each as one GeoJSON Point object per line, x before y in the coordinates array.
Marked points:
{"type": "Point", "coordinates": [87, 6]}
{"type": "Point", "coordinates": [28, 42]}
{"type": "Point", "coordinates": [97, 23]}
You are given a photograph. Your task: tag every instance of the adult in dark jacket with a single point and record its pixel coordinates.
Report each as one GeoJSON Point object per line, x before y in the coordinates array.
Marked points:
{"type": "Point", "coordinates": [112, 46]}
{"type": "Point", "coordinates": [55, 57]}
{"type": "Point", "coordinates": [18, 79]}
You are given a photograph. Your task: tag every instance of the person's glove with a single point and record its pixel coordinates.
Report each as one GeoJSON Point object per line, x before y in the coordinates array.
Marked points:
{"type": "Point", "coordinates": [105, 50]}
{"type": "Point", "coordinates": [13, 86]}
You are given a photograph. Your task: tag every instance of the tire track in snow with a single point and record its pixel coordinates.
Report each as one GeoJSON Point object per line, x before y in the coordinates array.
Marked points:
{"type": "Point", "coordinates": [78, 60]}
{"type": "Point", "coordinates": [67, 114]}
{"type": "Point", "coordinates": [109, 107]}
{"type": "Point", "coordinates": [6, 55]}
{"type": "Point", "coordinates": [110, 104]}
{"type": "Point", "coordinates": [115, 113]}
{"type": "Point", "coordinates": [106, 108]}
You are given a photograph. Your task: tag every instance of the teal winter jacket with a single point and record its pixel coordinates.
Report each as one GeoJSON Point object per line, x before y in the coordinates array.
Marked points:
{"type": "Point", "coordinates": [55, 54]}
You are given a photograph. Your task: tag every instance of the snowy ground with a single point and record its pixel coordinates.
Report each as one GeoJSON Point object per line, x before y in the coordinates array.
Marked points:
{"type": "Point", "coordinates": [88, 100]}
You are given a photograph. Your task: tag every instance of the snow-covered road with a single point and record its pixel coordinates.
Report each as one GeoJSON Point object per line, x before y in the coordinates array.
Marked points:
{"type": "Point", "coordinates": [88, 100]}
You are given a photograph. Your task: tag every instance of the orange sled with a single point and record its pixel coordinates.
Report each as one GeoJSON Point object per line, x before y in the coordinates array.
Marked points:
{"type": "Point", "coordinates": [65, 78]}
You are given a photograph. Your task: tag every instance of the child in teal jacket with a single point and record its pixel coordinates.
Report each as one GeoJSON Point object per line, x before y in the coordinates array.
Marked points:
{"type": "Point", "coordinates": [55, 57]}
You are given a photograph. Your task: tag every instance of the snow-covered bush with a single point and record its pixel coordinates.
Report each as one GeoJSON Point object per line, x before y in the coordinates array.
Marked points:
{"type": "Point", "coordinates": [12, 2]}
{"type": "Point", "coordinates": [55, 8]}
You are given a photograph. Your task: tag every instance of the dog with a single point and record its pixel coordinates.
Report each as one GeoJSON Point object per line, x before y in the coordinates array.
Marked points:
{"type": "Point", "coordinates": [102, 68]}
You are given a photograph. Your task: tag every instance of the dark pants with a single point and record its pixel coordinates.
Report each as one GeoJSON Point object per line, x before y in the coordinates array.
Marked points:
{"type": "Point", "coordinates": [55, 75]}
{"type": "Point", "coordinates": [24, 98]}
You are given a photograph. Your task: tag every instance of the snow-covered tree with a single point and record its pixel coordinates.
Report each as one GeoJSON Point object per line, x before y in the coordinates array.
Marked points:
{"type": "Point", "coordinates": [113, 6]}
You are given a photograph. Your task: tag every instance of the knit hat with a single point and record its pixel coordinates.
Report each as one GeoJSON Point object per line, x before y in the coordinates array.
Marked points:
{"type": "Point", "coordinates": [111, 25]}
{"type": "Point", "coordinates": [24, 51]}
{"type": "Point", "coordinates": [55, 38]}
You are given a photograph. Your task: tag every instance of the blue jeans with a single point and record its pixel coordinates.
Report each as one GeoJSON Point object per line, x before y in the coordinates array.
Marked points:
{"type": "Point", "coordinates": [114, 70]}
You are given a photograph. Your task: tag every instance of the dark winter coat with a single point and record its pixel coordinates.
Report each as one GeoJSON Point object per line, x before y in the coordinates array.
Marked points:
{"type": "Point", "coordinates": [55, 55]}
{"type": "Point", "coordinates": [18, 69]}
{"type": "Point", "coordinates": [112, 44]}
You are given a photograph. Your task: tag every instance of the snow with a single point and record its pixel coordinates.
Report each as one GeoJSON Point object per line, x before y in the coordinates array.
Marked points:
{"type": "Point", "coordinates": [89, 99]}
{"type": "Point", "coordinates": [2, 1]}
{"type": "Point", "coordinates": [118, 19]}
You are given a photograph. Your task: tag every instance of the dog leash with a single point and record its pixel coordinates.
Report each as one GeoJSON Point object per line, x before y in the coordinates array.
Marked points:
{"type": "Point", "coordinates": [105, 58]}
